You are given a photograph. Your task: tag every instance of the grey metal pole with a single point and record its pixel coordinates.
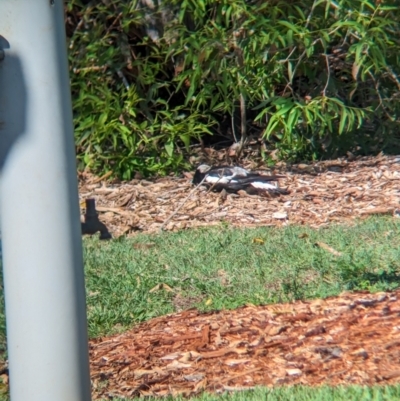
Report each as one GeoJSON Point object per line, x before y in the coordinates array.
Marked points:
{"type": "Point", "coordinates": [40, 225]}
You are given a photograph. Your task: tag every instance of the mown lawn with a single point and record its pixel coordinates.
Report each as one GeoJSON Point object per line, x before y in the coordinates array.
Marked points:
{"type": "Point", "coordinates": [351, 393]}
{"type": "Point", "coordinates": [131, 280]}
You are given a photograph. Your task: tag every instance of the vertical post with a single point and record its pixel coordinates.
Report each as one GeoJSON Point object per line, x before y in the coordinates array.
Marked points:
{"type": "Point", "coordinates": [39, 208]}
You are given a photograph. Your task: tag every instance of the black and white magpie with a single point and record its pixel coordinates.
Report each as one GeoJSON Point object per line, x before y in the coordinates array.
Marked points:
{"type": "Point", "coordinates": [234, 178]}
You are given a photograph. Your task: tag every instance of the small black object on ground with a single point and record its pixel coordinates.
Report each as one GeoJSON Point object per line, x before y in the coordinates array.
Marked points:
{"type": "Point", "coordinates": [92, 224]}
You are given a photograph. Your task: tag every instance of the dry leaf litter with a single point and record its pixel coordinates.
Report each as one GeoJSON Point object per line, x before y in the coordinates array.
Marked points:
{"type": "Point", "coordinates": [350, 339]}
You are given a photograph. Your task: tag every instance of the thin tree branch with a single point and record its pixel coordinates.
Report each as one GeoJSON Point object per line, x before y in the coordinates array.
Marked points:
{"type": "Point", "coordinates": [328, 68]}
{"type": "Point", "coordinates": [233, 124]}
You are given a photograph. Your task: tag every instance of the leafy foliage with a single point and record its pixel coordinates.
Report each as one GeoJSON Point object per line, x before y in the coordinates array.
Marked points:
{"type": "Point", "coordinates": [313, 78]}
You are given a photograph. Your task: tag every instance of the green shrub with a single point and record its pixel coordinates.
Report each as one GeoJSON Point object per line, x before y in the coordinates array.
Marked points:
{"type": "Point", "coordinates": [314, 78]}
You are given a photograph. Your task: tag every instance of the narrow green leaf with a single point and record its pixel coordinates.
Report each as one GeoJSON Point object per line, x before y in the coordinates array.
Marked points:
{"type": "Point", "coordinates": [343, 119]}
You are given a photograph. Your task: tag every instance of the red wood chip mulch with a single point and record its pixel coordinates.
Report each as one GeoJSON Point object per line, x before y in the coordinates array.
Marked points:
{"type": "Point", "coordinates": [350, 339]}
{"type": "Point", "coordinates": [327, 192]}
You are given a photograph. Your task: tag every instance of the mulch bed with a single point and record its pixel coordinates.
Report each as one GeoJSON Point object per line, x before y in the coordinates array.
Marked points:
{"type": "Point", "coordinates": [350, 339]}
{"type": "Point", "coordinates": [320, 194]}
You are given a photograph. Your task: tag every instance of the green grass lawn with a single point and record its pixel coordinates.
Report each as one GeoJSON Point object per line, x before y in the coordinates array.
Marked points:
{"type": "Point", "coordinates": [353, 393]}
{"type": "Point", "coordinates": [132, 280]}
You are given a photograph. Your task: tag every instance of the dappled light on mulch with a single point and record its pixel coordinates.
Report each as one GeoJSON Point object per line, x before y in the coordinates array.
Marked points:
{"type": "Point", "coordinates": [350, 339]}
{"type": "Point", "coordinates": [320, 194]}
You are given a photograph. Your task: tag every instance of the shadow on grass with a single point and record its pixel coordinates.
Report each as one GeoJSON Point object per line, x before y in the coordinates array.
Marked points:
{"type": "Point", "coordinates": [382, 280]}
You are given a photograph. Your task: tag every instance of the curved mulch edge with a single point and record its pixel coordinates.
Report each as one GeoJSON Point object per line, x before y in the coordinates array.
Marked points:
{"type": "Point", "coordinates": [350, 339]}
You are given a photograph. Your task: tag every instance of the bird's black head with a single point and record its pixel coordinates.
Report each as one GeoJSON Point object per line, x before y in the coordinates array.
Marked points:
{"type": "Point", "coordinates": [200, 173]}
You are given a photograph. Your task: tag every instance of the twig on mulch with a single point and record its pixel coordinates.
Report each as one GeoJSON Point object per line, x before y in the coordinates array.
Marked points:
{"type": "Point", "coordinates": [181, 205]}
